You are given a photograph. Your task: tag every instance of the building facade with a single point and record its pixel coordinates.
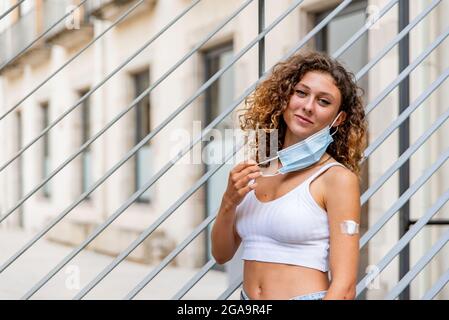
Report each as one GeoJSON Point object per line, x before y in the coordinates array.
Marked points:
{"type": "Point", "coordinates": [96, 103]}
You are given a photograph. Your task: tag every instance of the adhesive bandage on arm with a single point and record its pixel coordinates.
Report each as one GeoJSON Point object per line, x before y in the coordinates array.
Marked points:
{"type": "Point", "coordinates": [349, 227]}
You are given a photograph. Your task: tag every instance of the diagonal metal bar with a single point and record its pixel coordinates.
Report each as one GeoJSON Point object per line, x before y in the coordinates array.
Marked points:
{"type": "Point", "coordinates": [412, 149]}
{"type": "Point", "coordinates": [117, 21]}
{"type": "Point", "coordinates": [200, 274]}
{"type": "Point", "coordinates": [406, 113]}
{"type": "Point", "coordinates": [403, 198]}
{"type": "Point", "coordinates": [396, 39]}
{"type": "Point", "coordinates": [154, 226]}
{"type": "Point", "coordinates": [232, 287]}
{"type": "Point", "coordinates": [407, 71]}
{"type": "Point", "coordinates": [437, 287]}
{"type": "Point", "coordinates": [408, 236]}
{"type": "Point", "coordinates": [87, 94]}
{"type": "Point", "coordinates": [165, 168]}
{"type": "Point", "coordinates": [41, 36]}
{"type": "Point", "coordinates": [417, 268]}
{"type": "Point", "coordinates": [362, 30]}
{"type": "Point", "coordinates": [316, 29]}
{"type": "Point", "coordinates": [4, 14]}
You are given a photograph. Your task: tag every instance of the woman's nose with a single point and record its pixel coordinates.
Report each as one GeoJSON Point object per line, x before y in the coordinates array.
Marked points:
{"type": "Point", "coordinates": [308, 105]}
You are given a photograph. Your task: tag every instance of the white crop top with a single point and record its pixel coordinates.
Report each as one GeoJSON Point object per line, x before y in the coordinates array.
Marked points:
{"type": "Point", "coordinates": [292, 229]}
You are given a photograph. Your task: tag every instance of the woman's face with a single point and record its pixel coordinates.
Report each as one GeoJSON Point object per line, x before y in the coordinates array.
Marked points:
{"type": "Point", "coordinates": [314, 104]}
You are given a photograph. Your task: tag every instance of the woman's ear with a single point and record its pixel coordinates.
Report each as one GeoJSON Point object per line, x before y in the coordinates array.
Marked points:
{"type": "Point", "coordinates": [341, 119]}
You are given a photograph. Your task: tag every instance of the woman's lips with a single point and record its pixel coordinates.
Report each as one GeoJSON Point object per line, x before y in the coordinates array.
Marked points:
{"type": "Point", "coordinates": [303, 120]}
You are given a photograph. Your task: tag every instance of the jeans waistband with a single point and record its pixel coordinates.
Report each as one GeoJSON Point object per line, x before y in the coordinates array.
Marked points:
{"type": "Point", "coordinates": [319, 295]}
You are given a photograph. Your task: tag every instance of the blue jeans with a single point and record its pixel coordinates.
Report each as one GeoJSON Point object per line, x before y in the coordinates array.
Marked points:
{"type": "Point", "coordinates": [310, 296]}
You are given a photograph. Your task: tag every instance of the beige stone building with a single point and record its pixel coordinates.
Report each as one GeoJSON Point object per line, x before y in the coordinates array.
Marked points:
{"type": "Point", "coordinates": [74, 83]}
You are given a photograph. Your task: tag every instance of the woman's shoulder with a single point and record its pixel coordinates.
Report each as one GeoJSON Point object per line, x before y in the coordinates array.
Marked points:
{"type": "Point", "coordinates": [339, 176]}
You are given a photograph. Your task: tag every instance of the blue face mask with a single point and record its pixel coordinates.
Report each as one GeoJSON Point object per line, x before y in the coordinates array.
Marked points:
{"type": "Point", "coordinates": [304, 153]}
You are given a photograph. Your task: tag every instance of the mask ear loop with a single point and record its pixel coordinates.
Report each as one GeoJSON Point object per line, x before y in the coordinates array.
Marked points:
{"type": "Point", "coordinates": [334, 131]}
{"type": "Point", "coordinates": [333, 123]}
{"type": "Point", "coordinates": [268, 160]}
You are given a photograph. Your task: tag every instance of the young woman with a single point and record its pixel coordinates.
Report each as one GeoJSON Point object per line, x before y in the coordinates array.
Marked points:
{"type": "Point", "coordinates": [299, 223]}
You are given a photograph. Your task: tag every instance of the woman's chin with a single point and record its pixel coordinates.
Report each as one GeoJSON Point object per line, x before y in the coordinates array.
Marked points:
{"type": "Point", "coordinates": [301, 132]}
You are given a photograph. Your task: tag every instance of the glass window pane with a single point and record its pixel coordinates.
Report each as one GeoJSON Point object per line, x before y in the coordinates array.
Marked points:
{"type": "Point", "coordinates": [340, 30]}
{"type": "Point", "coordinates": [144, 172]}
{"type": "Point", "coordinates": [86, 164]}
{"type": "Point", "coordinates": [46, 189]}
{"type": "Point", "coordinates": [143, 165]}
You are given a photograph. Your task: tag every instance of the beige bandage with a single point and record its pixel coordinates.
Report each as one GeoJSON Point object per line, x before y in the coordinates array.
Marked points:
{"type": "Point", "coordinates": [349, 227]}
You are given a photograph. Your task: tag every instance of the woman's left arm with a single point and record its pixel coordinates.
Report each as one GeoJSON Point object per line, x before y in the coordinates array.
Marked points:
{"type": "Point", "coordinates": [342, 200]}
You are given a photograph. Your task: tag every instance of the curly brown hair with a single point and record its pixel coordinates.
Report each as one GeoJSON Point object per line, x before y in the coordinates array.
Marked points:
{"type": "Point", "coordinates": [265, 106]}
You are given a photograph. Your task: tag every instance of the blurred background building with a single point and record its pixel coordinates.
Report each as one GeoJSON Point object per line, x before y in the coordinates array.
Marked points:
{"type": "Point", "coordinates": [31, 107]}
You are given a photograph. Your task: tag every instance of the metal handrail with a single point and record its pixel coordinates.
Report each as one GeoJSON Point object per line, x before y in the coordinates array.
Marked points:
{"type": "Point", "coordinates": [405, 281]}
{"type": "Point", "coordinates": [437, 287]}
{"type": "Point", "coordinates": [232, 287]}
{"type": "Point", "coordinates": [402, 199]}
{"type": "Point", "coordinates": [408, 153]}
{"type": "Point", "coordinates": [197, 277]}
{"type": "Point", "coordinates": [407, 71]}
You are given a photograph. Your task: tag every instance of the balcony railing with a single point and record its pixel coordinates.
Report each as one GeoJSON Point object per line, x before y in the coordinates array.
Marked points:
{"type": "Point", "coordinates": [18, 36]}
{"type": "Point", "coordinates": [42, 23]}
{"type": "Point", "coordinates": [103, 8]}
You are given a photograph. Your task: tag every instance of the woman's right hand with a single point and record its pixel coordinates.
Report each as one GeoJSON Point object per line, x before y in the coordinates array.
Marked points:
{"type": "Point", "coordinates": [238, 180]}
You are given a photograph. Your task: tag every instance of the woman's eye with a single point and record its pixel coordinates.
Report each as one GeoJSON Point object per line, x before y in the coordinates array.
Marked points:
{"type": "Point", "coordinates": [299, 92]}
{"type": "Point", "coordinates": [325, 101]}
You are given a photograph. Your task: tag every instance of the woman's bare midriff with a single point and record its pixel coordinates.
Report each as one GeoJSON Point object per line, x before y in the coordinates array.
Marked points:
{"type": "Point", "coordinates": [276, 281]}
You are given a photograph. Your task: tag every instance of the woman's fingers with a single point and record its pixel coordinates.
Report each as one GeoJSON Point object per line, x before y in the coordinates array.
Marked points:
{"type": "Point", "coordinates": [248, 170]}
{"type": "Point", "coordinates": [242, 165]}
{"type": "Point", "coordinates": [247, 189]}
{"type": "Point", "coordinates": [239, 178]}
{"type": "Point", "coordinates": [243, 182]}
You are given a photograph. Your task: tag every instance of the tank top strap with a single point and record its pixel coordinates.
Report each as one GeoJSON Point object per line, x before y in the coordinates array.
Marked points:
{"type": "Point", "coordinates": [322, 169]}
